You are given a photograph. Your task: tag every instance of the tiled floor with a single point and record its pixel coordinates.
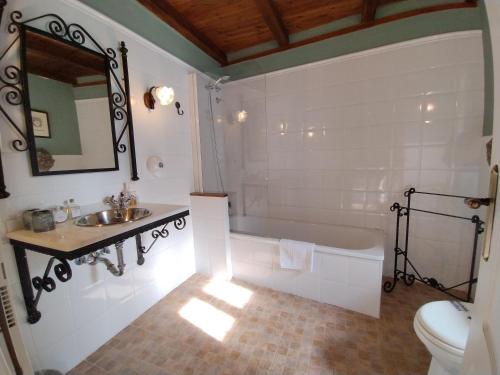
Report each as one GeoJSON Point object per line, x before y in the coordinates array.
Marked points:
{"type": "Point", "coordinates": [236, 328]}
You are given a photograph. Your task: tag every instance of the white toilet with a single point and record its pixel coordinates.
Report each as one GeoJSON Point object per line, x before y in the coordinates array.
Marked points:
{"type": "Point", "coordinates": [443, 327]}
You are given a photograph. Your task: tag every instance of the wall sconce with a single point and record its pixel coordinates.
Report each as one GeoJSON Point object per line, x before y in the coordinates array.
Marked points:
{"type": "Point", "coordinates": [164, 94]}
{"type": "Point", "coordinates": [241, 116]}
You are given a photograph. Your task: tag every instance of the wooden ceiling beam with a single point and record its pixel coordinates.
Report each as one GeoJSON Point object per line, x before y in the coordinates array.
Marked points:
{"type": "Point", "coordinates": [360, 26]}
{"type": "Point", "coordinates": [369, 10]}
{"type": "Point", "coordinates": [273, 21]}
{"type": "Point", "coordinates": [48, 72]}
{"type": "Point", "coordinates": [93, 83]}
{"type": "Point", "coordinates": [74, 68]}
{"type": "Point", "coordinates": [166, 12]}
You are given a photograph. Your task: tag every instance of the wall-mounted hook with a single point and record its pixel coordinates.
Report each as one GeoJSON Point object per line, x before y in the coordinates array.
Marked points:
{"type": "Point", "coordinates": [475, 203]}
{"type": "Point", "coordinates": [180, 112]}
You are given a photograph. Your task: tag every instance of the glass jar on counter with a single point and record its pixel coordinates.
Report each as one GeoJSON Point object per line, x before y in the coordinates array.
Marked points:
{"type": "Point", "coordinates": [43, 221]}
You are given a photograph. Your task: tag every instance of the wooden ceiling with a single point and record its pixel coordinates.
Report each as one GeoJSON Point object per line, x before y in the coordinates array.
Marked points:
{"type": "Point", "coordinates": [51, 58]}
{"type": "Point", "coordinates": [221, 27]}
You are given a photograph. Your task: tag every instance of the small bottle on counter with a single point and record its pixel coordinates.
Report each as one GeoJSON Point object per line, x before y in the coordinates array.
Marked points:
{"type": "Point", "coordinates": [75, 209]}
{"type": "Point", "coordinates": [67, 210]}
{"type": "Point", "coordinates": [133, 199]}
{"type": "Point", "coordinates": [130, 195]}
{"type": "Point", "coordinates": [60, 214]}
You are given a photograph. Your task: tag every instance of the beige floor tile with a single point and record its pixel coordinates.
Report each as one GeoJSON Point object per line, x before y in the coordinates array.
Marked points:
{"type": "Point", "coordinates": [274, 333]}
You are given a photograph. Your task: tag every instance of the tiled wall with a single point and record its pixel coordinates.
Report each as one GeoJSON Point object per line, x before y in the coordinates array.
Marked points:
{"type": "Point", "coordinates": [211, 236]}
{"type": "Point", "coordinates": [84, 313]}
{"type": "Point", "coordinates": [338, 141]}
{"type": "Point", "coordinates": [211, 140]}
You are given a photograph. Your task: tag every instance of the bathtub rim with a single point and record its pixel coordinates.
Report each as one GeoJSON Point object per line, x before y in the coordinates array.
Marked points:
{"type": "Point", "coordinates": [373, 253]}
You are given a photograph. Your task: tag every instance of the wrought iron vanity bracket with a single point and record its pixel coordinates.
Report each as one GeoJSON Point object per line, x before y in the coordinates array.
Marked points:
{"type": "Point", "coordinates": [156, 234]}
{"type": "Point", "coordinates": [409, 273]}
{"type": "Point", "coordinates": [12, 91]}
{"type": "Point", "coordinates": [59, 261]}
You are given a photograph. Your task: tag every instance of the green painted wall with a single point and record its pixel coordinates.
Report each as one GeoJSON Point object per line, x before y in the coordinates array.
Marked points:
{"type": "Point", "coordinates": [389, 33]}
{"type": "Point", "coordinates": [488, 74]}
{"type": "Point", "coordinates": [140, 20]}
{"type": "Point", "coordinates": [90, 92]}
{"type": "Point", "coordinates": [137, 18]}
{"type": "Point", "coordinates": [56, 98]}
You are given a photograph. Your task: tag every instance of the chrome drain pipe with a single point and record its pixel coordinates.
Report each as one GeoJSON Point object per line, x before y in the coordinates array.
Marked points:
{"type": "Point", "coordinates": [96, 257]}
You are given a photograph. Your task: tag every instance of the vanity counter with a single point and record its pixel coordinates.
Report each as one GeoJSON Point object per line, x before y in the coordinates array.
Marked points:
{"type": "Point", "coordinates": [69, 241]}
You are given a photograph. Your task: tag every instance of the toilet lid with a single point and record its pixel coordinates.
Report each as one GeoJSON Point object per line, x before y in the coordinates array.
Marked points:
{"type": "Point", "coordinates": [447, 321]}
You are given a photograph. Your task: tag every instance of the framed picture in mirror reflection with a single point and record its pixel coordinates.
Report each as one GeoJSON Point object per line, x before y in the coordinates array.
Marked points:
{"type": "Point", "coordinates": [41, 125]}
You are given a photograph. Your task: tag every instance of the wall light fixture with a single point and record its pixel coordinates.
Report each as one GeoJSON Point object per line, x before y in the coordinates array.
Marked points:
{"type": "Point", "coordinates": [241, 116]}
{"type": "Point", "coordinates": [165, 95]}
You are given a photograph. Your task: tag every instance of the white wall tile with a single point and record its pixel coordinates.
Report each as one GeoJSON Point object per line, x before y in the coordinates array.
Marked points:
{"type": "Point", "coordinates": [334, 268]}
{"type": "Point", "coordinates": [406, 158]}
{"type": "Point", "coordinates": [81, 315]}
{"type": "Point", "coordinates": [92, 334]}
{"type": "Point", "coordinates": [211, 235]}
{"type": "Point", "coordinates": [407, 133]}
{"type": "Point", "coordinates": [358, 131]}
{"type": "Point", "coordinates": [68, 355]}
{"type": "Point", "coordinates": [360, 273]}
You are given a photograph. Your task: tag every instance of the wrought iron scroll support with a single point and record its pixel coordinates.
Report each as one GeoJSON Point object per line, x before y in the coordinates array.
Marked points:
{"type": "Point", "coordinates": [408, 273]}
{"type": "Point", "coordinates": [129, 123]}
{"type": "Point", "coordinates": [12, 94]}
{"type": "Point", "coordinates": [156, 234]}
{"type": "Point", "coordinates": [59, 260]}
{"type": "Point", "coordinates": [46, 283]}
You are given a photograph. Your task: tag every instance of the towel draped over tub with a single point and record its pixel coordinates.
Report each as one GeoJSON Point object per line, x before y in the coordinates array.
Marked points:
{"type": "Point", "coordinates": [297, 255]}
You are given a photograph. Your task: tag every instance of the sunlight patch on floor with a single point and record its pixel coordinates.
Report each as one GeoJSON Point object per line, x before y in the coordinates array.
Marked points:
{"type": "Point", "coordinates": [228, 292]}
{"type": "Point", "coordinates": [209, 319]}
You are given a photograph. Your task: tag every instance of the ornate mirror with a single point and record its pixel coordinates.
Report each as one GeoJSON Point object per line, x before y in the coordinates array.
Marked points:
{"type": "Point", "coordinates": [68, 106]}
{"type": "Point", "coordinates": [77, 110]}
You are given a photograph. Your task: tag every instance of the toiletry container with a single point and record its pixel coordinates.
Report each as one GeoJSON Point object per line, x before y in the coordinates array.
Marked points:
{"type": "Point", "coordinates": [28, 218]}
{"type": "Point", "coordinates": [75, 209]}
{"type": "Point", "coordinates": [43, 221]}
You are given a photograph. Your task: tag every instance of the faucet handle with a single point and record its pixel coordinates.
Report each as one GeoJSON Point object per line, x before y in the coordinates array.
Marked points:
{"type": "Point", "coordinates": [110, 200]}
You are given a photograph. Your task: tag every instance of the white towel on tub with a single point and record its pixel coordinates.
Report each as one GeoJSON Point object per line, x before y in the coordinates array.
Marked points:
{"type": "Point", "coordinates": [296, 255]}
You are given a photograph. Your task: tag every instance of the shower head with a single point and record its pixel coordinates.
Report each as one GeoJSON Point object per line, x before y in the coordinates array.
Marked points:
{"type": "Point", "coordinates": [218, 81]}
{"type": "Point", "coordinates": [222, 80]}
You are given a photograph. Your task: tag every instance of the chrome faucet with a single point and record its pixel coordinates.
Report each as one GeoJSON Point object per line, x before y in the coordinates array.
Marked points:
{"type": "Point", "coordinates": [119, 203]}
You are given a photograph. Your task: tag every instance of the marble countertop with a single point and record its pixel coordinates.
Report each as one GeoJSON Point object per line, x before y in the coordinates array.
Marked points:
{"type": "Point", "coordinates": [68, 237]}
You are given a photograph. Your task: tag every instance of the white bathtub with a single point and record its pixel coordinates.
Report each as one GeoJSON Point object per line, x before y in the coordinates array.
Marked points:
{"type": "Point", "coordinates": [347, 263]}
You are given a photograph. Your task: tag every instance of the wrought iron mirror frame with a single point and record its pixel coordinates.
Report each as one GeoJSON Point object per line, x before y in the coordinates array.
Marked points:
{"type": "Point", "coordinates": [23, 30]}
{"type": "Point", "coordinates": [13, 88]}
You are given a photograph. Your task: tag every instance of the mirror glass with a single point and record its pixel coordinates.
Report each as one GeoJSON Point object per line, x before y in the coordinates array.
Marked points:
{"type": "Point", "coordinates": [69, 106]}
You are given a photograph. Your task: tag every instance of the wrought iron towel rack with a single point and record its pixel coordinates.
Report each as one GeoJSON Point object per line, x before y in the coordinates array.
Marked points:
{"type": "Point", "coordinates": [409, 273]}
